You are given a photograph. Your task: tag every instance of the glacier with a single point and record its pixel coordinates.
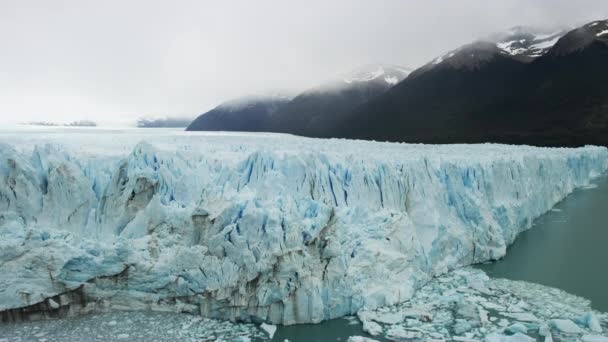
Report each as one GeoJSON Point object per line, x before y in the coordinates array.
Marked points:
{"type": "Point", "coordinates": [257, 227]}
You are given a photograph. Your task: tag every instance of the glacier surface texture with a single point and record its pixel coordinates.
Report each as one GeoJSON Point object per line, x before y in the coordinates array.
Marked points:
{"type": "Point", "coordinates": [258, 227]}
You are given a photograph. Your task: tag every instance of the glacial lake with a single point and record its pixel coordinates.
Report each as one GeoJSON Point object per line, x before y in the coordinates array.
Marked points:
{"type": "Point", "coordinates": [566, 248]}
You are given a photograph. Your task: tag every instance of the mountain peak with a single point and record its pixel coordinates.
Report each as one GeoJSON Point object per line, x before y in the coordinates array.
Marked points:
{"type": "Point", "coordinates": [527, 43]}
{"type": "Point", "coordinates": [391, 74]}
{"type": "Point", "coordinates": [521, 43]}
{"type": "Point", "coordinates": [580, 38]}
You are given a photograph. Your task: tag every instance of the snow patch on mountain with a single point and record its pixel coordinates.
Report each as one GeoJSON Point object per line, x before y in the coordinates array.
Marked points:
{"type": "Point", "coordinates": [268, 226]}
{"type": "Point", "coordinates": [526, 42]}
{"type": "Point", "coordinates": [444, 57]}
{"type": "Point", "coordinates": [521, 43]}
{"type": "Point", "coordinates": [390, 74]}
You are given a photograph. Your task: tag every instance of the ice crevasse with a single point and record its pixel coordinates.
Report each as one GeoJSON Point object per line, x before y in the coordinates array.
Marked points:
{"type": "Point", "coordinates": [283, 229]}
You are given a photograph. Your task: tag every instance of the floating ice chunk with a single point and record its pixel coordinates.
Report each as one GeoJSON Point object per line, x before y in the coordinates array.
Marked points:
{"type": "Point", "coordinates": [360, 339]}
{"type": "Point", "coordinates": [517, 328]}
{"type": "Point", "coordinates": [493, 306]}
{"type": "Point", "coordinates": [386, 317]}
{"type": "Point", "coordinates": [483, 316]}
{"type": "Point", "coordinates": [398, 332]}
{"type": "Point", "coordinates": [591, 321]}
{"type": "Point", "coordinates": [270, 329]}
{"type": "Point", "coordinates": [521, 316]}
{"type": "Point", "coordinates": [463, 339]}
{"type": "Point", "coordinates": [544, 330]}
{"type": "Point", "coordinates": [352, 320]}
{"type": "Point", "coordinates": [589, 187]}
{"type": "Point", "coordinates": [372, 328]}
{"type": "Point", "coordinates": [566, 326]}
{"type": "Point", "coordinates": [594, 338]}
{"type": "Point", "coordinates": [518, 337]}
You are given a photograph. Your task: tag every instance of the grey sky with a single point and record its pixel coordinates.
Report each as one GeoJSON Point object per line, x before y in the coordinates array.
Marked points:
{"type": "Point", "coordinates": [113, 61]}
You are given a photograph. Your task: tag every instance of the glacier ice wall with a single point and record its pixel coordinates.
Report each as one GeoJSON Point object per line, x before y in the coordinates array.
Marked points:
{"type": "Point", "coordinates": [276, 228]}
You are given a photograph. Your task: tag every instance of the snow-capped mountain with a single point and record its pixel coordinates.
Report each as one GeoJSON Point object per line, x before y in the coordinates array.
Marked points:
{"type": "Point", "coordinates": [582, 38]}
{"type": "Point", "coordinates": [527, 43]}
{"type": "Point", "coordinates": [310, 112]}
{"type": "Point", "coordinates": [521, 86]}
{"type": "Point", "coordinates": [520, 43]}
{"type": "Point", "coordinates": [516, 86]}
{"type": "Point", "coordinates": [315, 110]}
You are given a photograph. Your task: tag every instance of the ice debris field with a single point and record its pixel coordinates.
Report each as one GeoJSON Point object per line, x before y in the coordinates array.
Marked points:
{"type": "Point", "coordinates": [463, 305]}
{"type": "Point", "coordinates": [256, 227]}
{"type": "Point", "coordinates": [466, 305]}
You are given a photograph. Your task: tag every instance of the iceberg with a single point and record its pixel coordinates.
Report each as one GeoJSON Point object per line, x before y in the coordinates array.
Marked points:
{"type": "Point", "coordinates": [258, 227]}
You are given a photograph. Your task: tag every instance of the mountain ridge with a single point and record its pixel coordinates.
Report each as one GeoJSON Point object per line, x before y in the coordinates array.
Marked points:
{"type": "Point", "coordinates": [307, 113]}
{"type": "Point", "coordinates": [556, 99]}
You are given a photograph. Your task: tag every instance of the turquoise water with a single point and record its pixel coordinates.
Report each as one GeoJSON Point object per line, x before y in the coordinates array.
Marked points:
{"type": "Point", "coordinates": [334, 330]}
{"type": "Point", "coordinates": [567, 248]}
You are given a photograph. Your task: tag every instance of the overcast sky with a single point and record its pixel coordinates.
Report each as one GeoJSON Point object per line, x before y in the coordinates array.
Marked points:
{"type": "Point", "coordinates": [113, 61]}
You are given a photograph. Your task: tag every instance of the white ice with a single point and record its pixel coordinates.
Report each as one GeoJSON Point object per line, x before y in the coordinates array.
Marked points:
{"type": "Point", "coordinates": [467, 305]}
{"type": "Point", "coordinates": [273, 227]}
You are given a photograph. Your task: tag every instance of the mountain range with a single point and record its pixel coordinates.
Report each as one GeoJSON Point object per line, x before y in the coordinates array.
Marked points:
{"type": "Point", "coordinates": [524, 86]}
{"type": "Point", "coordinates": [309, 113]}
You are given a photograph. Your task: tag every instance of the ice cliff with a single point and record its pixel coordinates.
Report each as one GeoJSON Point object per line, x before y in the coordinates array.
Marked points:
{"type": "Point", "coordinates": [264, 227]}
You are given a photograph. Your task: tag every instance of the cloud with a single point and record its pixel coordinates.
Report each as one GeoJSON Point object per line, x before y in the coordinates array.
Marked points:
{"type": "Point", "coordinates": [117, 60]}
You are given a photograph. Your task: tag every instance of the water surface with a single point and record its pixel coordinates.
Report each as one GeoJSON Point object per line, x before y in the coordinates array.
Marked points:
{"type": "Point", "coordinates": [566, 248]}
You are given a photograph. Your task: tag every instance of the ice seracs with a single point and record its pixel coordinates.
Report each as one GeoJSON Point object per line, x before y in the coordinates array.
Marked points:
{"type": "Point", "coordinates": [268, 227]}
